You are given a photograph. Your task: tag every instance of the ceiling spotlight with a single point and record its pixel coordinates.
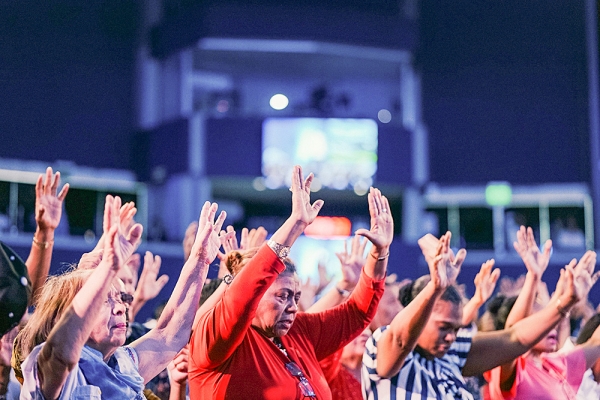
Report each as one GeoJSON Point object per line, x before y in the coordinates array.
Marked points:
{"type": "Point", "coordinates": [384, 116]}
{"type": "Point", "coordinates": [279, 102]}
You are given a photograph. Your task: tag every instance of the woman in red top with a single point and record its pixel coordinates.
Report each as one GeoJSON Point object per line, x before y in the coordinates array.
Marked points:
{"type": "Point", "coordinates": [255, 345]}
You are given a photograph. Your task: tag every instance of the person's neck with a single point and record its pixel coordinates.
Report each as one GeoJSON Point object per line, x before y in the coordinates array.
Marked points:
{"type": "Point", "coordinates": [535, 356]}
{"type": "Point", "coordinates": [106, 352]}
{"type": "Point", "coordinates": [424, 353]}
{"type": "Point", "coordinates": [352, 363]}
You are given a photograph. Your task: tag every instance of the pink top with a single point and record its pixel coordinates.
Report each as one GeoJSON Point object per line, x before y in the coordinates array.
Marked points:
{"type": "Point", "coordinates": [558, 377]}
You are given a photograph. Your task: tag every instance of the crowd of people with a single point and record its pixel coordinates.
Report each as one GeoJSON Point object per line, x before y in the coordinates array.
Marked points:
{"type": "Point", "coordinates": [259, 332]}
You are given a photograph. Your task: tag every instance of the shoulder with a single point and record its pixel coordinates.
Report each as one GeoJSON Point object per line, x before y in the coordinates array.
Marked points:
{"type": "Point", "coordinates": [75, 384]}
{"type": "Point", "coordinates": [370, 354]}
{"type": "Point", "coordinates": [458, 352]}
{"type": "Point", "coordinates": [127, 355]}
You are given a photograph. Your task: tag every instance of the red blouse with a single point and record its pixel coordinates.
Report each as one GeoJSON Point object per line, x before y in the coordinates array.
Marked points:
{"type": "Point", "coordinates": [229, 359]}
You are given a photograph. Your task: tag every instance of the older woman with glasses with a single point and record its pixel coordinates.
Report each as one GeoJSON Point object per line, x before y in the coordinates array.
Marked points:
{"type": "Point", "coordinates": [71, 348]}
{"type": "Point", "coordinates": [254, 344]}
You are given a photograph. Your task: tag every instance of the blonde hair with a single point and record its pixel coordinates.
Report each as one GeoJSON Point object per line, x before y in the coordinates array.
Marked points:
{"type": "Point", "coordinates": [55, 296]}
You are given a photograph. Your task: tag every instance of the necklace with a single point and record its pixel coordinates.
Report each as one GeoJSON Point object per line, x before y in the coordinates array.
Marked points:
{"type": "Point", "coordinates": [279, 345]}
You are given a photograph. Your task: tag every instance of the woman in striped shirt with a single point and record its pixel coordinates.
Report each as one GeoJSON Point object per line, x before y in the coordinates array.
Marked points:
{"type": "Point", "coordinates": [420, 356]}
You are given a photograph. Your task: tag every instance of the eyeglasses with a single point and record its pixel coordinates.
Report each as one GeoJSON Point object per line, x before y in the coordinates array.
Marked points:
{"type": "Point", "coordinates": [304, 384]}
{"type": "Point", "coordinates": [126, 298]}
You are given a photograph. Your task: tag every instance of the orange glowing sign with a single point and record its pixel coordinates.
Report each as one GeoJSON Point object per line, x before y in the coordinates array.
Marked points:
{"type": "Point", "coordinates": [325, 227]}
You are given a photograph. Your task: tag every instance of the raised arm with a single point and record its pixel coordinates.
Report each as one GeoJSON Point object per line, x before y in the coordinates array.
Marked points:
{"type": "Point", "coordinates": [334, 327]}
{"type": "Point", "coordinates": [172, 331]}
{"type": "Point", "coordinates": [149, 285]}
{"type": "Point", "coordinates": [351, 262]}
{"type": "Point", "coordinates": [406, 327]}
{"type": "Point", "coordinates": [62, 349]}
{"type": "Point", "coordinates": [221, 330]}
{"type": "Point", "coordinates": [490, 349]}
{"type": "Point", "coordinates": [485, 283]}
{"type": "Point", "coordinates": [48, 211]}
{"type": "Point", "coordinates": [536, 263]}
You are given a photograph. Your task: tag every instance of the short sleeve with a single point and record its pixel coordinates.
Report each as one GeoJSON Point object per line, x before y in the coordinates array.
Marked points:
{"type": "Point", "coordinates": [74, 388]}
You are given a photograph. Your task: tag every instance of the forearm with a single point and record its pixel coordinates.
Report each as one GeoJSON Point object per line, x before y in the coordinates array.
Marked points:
{"type": "Point", "coordinates": [176, 320]}
{"type": "Point", "coordinates": [287, 234]}
{"type": "Point", "coordinates": [532, 329]}
{"type": "Point", "coordinates": [471, 309]}
{"type": "Point", "coordinates": [524, 303]}
{"type": "Point", "coordinates": [376, 263]}
{"type": "Point", "coordinates": [73, 329]}
{"type": "Point", "coordinates": [329, 300]}
{"type": "Point", "coordinates": [177, 391]}
{"type": "Point", "coordinates": [406, 327]}
{"type": "Point", "coordinates": [40, 257]}
{"type": "Point", "coordinates": [336, 326]}
{"type": "Point", "coordinates": [491, 349]}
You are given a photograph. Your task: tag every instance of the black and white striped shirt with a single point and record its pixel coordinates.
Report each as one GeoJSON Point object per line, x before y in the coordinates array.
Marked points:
{"type": "Point", "coordinates": [419, 378]}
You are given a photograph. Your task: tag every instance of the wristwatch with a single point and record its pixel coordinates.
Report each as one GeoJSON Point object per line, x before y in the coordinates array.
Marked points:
{"type": "Point", "coordinates": [279, 249]}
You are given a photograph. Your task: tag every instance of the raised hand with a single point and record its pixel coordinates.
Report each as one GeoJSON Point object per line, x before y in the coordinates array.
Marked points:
{"type": "Point", "coordinates": [208, 241]}
{"type": "Point", "coordinates": [128, 234]}
{"type": "Point", "coordinates": [302, 210]}
{"type": "Point", "coordinates": [249, 240]}
{"type": "Point", "coordinates": [444, 267]}
{"type": "Point", "coordinates": [231, 244]}
{"type": "Point", "coordinates": [485, 281]}
{"type": "Point", "coordinates": [178, 367]}
{"type": "Point", "coordinates": [254, 238]}
{"type": "Point", "coordinates": [48, 204]}
{"type": "Point", "coordinates": [381, 233]}
{"type": "Point", "coordinates": [309, 292]}
{"type": "Point", "coordinates": [535, 261]}
{"type": "Point", "coordinates": [352, 262]}
{"type": "Point", "coordinates": [150, 285]}
{"type": "Point", "coordinates": [113, 254]}
{"type": "Point", "coordinates": [583, 274]}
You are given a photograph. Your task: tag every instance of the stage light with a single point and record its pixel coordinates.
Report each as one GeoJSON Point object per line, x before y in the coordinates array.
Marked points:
{"type": "Point", "coordinates": [279, 102]}
{"type": "Point", "coordinates": [384, 116]}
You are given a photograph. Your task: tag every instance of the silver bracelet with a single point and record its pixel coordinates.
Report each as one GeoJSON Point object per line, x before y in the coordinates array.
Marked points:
{"type": "Point", "coordinates": [280, 250]}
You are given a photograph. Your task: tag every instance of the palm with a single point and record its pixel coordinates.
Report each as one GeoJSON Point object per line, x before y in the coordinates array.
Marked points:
{"type": "Point", "coordinates": [210, 246]}
{"type": "Point", "coordinates": [302, 210]}
{"type": "Point", "coordinates": [52, 211]}
{"type": "Point", "coordinates": [125, 248]}
{"type": "Point", "coordinates": [445, 266]}
{"type": "Point", "coordinates": [535, 261]}
{"type": "Point", "coordinates": [382, 229]}
{"type": "Point", "coordinates": [447, 272]}
{"type": "Point", "coordinates": [382, 223]}
{"type": "Point", "coordinates": [485, 280]}
{"type": "Point", "coordinates": [150, 285]}
{"type": "Point", "coordinates": [353, 261]}
{"type": "Point", "coordinates": [208, 241]}
{"type": "Point", "coordinates": [48, 203]}
{"type": "Point", "coordinates": [302, 207]}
